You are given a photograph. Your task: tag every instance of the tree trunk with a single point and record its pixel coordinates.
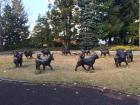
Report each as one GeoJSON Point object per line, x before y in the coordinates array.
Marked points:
{"type": "Point", "coordinates": [109, 41]}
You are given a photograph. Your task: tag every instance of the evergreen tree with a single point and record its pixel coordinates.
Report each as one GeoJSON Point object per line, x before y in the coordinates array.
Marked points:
{"type": "Point", "coordinates": [128, 14]}
{"type": "Point", "coordinates": [1, 39]}
{"type": "Point", "coordinates": [119, 22]}
{"type": "Point", "coordinates": [8, 23]}
{"type": "Point", "coordinates": [111, 22]}
{"type": "Point", "coordinates": [21, 19]}
{"type": "Point", "coordinates": [2, 4]}
{"type": "Point", "coordinates": [14, 24]}
{"type": "Point", "coordinates": [89, 20]}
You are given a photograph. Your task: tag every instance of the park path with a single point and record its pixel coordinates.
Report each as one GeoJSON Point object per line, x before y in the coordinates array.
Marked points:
{"type": "Point", "coordinates": [16, 93]}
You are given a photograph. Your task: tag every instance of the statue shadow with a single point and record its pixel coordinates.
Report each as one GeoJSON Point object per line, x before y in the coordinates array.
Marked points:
{"type": "Point", "coordinates": [14, 68]}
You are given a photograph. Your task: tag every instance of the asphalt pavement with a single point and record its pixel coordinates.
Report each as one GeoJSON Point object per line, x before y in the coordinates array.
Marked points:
{"type": "Point", "coordinates": [16, 93]}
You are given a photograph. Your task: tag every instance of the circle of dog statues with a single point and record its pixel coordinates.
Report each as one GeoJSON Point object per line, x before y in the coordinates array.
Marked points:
{"type": "Point", "coordinates": [120, 56]}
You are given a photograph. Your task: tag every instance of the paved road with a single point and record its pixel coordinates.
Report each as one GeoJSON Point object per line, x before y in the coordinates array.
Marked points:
{"type": "Point", "coordinates": [13, 93]}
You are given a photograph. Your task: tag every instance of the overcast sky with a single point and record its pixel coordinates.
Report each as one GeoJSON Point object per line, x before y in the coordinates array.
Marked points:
{"type": "Point", "coordinates": [35, 7]}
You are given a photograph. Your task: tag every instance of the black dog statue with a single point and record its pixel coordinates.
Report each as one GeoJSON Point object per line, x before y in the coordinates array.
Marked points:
{"type": "Point", "coordinates": [104, 51]}
{"type": "Point", "coordinates": [120, 57]}
{"type": "Point", "coordinates": [44, 61]}
{"type": "Point", "coordinates": [85, 52]}
{"type": "Point", "coordinates": [28, 54]}
{"type": "Point", "coordinates": [129, 54]}
{"type": "Point", "coordinates": [86, 61]}
{"type": "Point", "coordinates": [46, 52]}
{"type": "Point", "coordinates": [66, 51]}
{"type": "Point", "coordinates": [18, 58]}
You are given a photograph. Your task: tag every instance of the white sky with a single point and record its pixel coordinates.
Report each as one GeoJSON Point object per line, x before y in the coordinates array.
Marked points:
{"type": "Point", "coordinates": [35, 7]}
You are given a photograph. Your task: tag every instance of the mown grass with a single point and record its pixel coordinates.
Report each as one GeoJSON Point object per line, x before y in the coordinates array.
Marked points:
{"type": "Point", "coordinates": [127, 47]}
{"type": "Point", "coordinates": [125, 79]}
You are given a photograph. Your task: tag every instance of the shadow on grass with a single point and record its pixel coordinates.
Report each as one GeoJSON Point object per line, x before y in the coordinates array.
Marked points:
{"type": "Point", "coordinates": [41, 71]}
{"type": "Point", "coordinates": [13, 67]}
{"type": "Point", "coordinates": [123, 66]}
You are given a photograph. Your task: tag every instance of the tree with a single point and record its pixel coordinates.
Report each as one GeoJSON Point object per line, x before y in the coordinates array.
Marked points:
{"type": "Point", "coordinates": [128, 14]}
{"type": "Point", "coordinates": [65, 13]}
{"type": "Point", "coordinates": [61, 20]}
{"type": "Point", "coordinates": [42, 32]}
{"type": "Point", "coordinates": [22, 19]}
{"type": "Point", "coordinates": [1, 39]}
{"type": "Point", "coordinates": [89, 19]}
{"type": "Point", "coordinates": [2, 3]}
{"type": "Point", "coordinates": [14, 24]}
{"type": "Point", "coordinates": [119, 20]}
{"type": "Point", "coordinates": [112, 22]}
{"type": "Point", "coordinates": [55, 22]}
{"type": "Point", "coordinates": [8, 26]}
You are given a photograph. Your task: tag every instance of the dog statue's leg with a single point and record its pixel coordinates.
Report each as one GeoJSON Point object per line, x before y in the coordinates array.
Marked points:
{"type": "Point", "coordinates": [50, 67]}
{"type": "Point", "coordinates": [88, 68]}
{"type": "Point", "coordinates": [116, 63]}
{"type": "Point", "coordinates": [43, 67]}
{"type": "Point", "coordinates": [76, 67]}
{"type": "Point", "coordinates": [20, 64]}
{"type": "Point", "coordinates": [84, 67]}
{"type": "Point", "coordinates": [36, 66]}
{"type": "Point", "coordinates": [101, 54]}
{"type": "Point", "coordinates": [17, 65]}
{"type": "Point", "coordinates": [92, 67]}
{"type": "Point", "coordinates": [126, 62]}
{"type": "Point", "coordinates": [131, 58]}
{"type": "Point", "coordinates": [120, 64]}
